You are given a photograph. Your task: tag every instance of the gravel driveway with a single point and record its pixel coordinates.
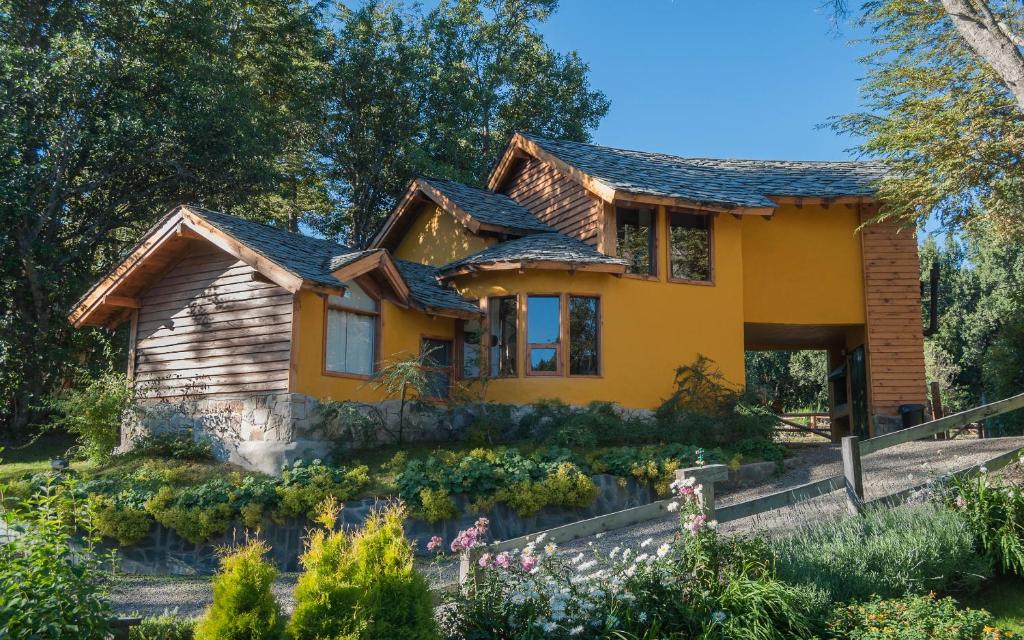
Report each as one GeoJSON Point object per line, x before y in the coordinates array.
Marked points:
{"type": "Point", "coordinates": [885, 472]}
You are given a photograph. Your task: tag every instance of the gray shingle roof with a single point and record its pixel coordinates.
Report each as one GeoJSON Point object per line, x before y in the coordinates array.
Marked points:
{"type": "Point", "coordinates": [538, 247]}
{"type": "Point", "coordinates": [314, 259]}
{"type": "Point", "coordinates": [427, 291]}
{"type": "Point", "coordinates": [488, 207]}
{"type": "Point", "coordinates": [728, 183]}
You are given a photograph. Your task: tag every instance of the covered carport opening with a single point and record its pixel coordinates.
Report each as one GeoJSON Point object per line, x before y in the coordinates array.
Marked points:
{"type": "Point", "coordinates": [846, 377]}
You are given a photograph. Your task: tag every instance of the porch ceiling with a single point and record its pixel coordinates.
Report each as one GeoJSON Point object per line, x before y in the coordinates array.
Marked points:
{"type": "Point", "coordinates": [768, 337]}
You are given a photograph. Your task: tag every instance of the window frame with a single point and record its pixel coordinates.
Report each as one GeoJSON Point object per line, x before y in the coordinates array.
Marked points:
{"type": "Point", "coordinates": [459, 354]}
{"type": "Point", "coordinates": [710, 216]}
{"type": "Point", "coordinates": [492, 309]}
{"type": "Point", "coordinates": [600, 336]}
{"type": "Point", "coordinates": [450, 369]}
{"type": "Point", "coordinates": [557, 346]}
{"type": "Point", "coordinates": [654, 266]}
{"type": "Point", "coordinates": [377, 327]}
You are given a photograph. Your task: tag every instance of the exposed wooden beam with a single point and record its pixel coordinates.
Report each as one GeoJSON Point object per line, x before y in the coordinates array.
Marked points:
{"type": "Point", "coordinates": [122, 301]}
{"type": "Point", "coordinates": [524, 265]}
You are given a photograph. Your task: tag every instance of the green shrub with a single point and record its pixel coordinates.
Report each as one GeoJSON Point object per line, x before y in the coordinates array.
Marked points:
{"type": "Point", "coordinates": [93, 413]}
{"type": "Point", "coordinates": [361, 586]}
{"type": "Point", "coordinates": [167, 626]}
{"type": "Point", "coordinates": [492, 425]}
{"type": "Point", "coordinates": [196, 522]}
{"type": "Point", "coordinates": [437, 505]}
{"type": "Point", "coordinates": [994, 509]}
{"type": "Point", "coordinates": [889, 552]}
{"type": "Point", "coordinates": [243, 605]}
{"type": "Point", "coordinates": [305, 486]}
{"type": "Point", "coordinates": [565, 486]}
{"type": "Point", "coordinates": [910, 618]}
{"type": "Point", "coordinates": [127, 525]}
{"type": "Point", "coordinates": [173, 446]}
{"type": "Point", "coordinates": [48, 589]}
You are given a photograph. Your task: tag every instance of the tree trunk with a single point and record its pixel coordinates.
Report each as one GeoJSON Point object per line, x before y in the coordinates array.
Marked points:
{"type": "Point", "coordinates": [991, 40]}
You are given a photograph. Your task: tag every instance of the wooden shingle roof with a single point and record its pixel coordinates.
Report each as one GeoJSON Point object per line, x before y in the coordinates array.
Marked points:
{"type": "Point", "coordinates": [542, 250]}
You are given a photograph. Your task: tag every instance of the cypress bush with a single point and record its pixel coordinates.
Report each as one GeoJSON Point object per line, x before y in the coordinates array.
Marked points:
{"type": "Point", "coordinates": [243, 606]}
{"type": "Point", "coordinates": [362, 585]}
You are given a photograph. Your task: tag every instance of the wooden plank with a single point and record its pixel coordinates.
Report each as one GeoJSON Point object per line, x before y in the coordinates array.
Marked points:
{"type": "Point", "coordinates": [213, 305]}
{"type": "Point", "coordinates": [853, 475]}
{"type": "Point", "coordinates": [228, 336]}
{"type": "Point", "coordinates": [780, 499]}
{"type": "Point", "coordinates": [241, 355]}
{"type": "Point", "coordinates": [277, 341]}
{"type": "Point", "coordinates": [167, 381]}
{"type": "Point", "coordinates": [199, 370]}
{"type": "Point", "coordinates": [244, 315]}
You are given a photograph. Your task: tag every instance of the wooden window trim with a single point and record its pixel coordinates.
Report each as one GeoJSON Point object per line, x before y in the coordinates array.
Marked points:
{"type": "Point", "coordinates": [600, 336]}
{"type": "Point", "coordinates": [710, 282]}
{"type": "Point", "coordinates": [491, 309]}
{"type": "Point", "coordinates": [378, 331]}
{"type": "Point", "coordinates": [557, 346]}
{"type": "Point", "coordinates": [654, 267]}
{"type": "Point", "coordinates": [450, 369]}
{"type": "Point", "coordinates": [459, 346]}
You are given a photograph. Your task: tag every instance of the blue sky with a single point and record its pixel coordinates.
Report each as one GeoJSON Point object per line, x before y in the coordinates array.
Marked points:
{"type": "Point", "coordinates": [748, 79]}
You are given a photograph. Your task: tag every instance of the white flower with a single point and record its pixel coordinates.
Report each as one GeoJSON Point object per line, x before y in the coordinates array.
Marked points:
{"type": "Point", "coordinates": [663, 550]}
{"type": "Point", "coordinates": [549, 627]}
{"type": "Point", "coordinates": [539, 539]}
{"type": "Point", "coordinates": [983, 469]}
{"type": "Point", "coordinates": [550, 548]}
{"type": "Point", "coordinates": [586, 565]}
{"type": "Point", "coordinates": [711, 524]}
{"type": "Point", "coordinates": [599, 535]}
{"type": "Point", "coordinates": [719, 616]}
{"type": "Point", "coordinates": [577, 630]}
{"type": "Point", "coordinates": [642, 557]}
{"type": "Point", "coordinates": [614, 552]}
{"type": "Point", "coordinates": [646, 542]}
{"type": "Point", "coordinates": [642, 617]}
{"type": "Point", "coordinates": [673, 507]}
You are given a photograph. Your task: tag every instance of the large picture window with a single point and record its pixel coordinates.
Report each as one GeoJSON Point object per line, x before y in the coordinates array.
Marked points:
{"type": "Point", "coordinates": [472, 348]}
{"type": "Point", "coordinates": [636, 240]}
{"type": "Point", "coordinates": [437, 365]}
{"type": "Point", "coordinates": [350, 343]}
{"type": "Point", "coordinates": [504, 336]}
{"type": "Point", "coordinates": [584, 336]}
{"type": "Point", "coordinates": [689, 245]}
{"type": "Point", "coordinates": [543, 334]}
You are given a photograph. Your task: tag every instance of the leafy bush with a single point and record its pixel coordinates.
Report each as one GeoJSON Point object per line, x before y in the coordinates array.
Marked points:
{"type": "Point", "coordinates": [361, 586]}
{"type": "Point", "coordinates": [650, 464]}
{"type": "Point", "coordinates": [48, 589]}
{"type": "Point", "coordinates": [911, 618]}
{"type": "Point", "coordinates": [196, 513]}
{"type": "Point", "coordinates": [889, 552]}
{"type": "Point", "coordinates": [437, 505]}
{"type": "Point", "coordinates": [172, 445]}
{"type": "Point", "coordinates": [565, 485]}
{"type": "Point", "coordinates": [994, 509]}
{"type": "Point", "coordinates": [304, 486]}
{"type": "Point", "coordinates": [125, 524]}
{"type": "Point", "coordinates": [167, 626]}
{"type": "Point", "coordinates": [93, 413]}
{"type": "Point", "coordinates": [243, 605]}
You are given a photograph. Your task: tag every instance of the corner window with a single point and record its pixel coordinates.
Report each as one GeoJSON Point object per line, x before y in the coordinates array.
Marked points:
{"type": "Point", "coordinates": [635, 239]}
{"type": "Point", "coordinates": [543, 330]}
{"type": "Point", "coordinates": [689, 246]}
{"type": "Point", "coordinates": [437, 365]}
{"type": "Point", "coordinates": [472, 338]}
{"type": "Point", "coordinates": [584, 336]}
{"type": "Point", "coordinates": [351, 332]}
{"type": "Point", "coordinates": [504, 338]}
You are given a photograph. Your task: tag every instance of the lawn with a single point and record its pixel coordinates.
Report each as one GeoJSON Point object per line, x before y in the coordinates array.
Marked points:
{"type": "Point", "coordinates": [1004, 599]}
{"type": "Point", "coordinates": [16, 461]}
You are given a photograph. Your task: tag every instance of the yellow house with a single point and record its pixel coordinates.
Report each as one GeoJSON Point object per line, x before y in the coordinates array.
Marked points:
{"type": "Point", "coordinates": [580, 272]}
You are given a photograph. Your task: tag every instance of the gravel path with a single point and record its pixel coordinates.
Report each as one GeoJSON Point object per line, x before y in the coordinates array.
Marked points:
{"type": "Point", "coordinates": [885, 472]}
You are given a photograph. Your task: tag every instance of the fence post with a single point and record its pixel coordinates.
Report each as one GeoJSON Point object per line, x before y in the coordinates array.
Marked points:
{"type": "Point", "coordinates": [469, 565]}
{"type": "Point", "coordinates": [853, 475]}
{"type": "Point", "coordinates": [937, 411]}
{"type": "Point", "coordinates": [706, 477]}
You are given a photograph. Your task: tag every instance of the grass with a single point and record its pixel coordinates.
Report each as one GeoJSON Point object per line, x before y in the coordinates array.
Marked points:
{"type": "Point", "coordinates": [1004, 598]}
{"type": "Point", "coordinates": [16, 461]}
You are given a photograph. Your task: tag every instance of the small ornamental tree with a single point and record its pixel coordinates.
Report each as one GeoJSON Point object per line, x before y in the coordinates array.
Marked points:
{"type": "Point", "coordinates": [404, 377]}
{"type": "Point", "coordinates": [361, 586]}
{"type": "Point", "coordinates": [243, 606]}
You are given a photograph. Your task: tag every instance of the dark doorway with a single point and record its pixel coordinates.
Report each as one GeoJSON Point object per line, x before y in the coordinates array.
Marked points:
{"type": "Point", "coordinates": [859, 393]}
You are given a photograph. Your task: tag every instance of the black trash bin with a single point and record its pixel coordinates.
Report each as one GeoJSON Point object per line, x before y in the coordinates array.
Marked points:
{"type": "Point", "coordinates": [912, 414]}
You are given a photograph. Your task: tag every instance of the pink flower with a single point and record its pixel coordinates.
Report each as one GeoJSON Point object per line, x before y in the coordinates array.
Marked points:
{"type": "Point", "coordinates": [503, 560]}
{"type": "Point", "coordinates": [960, 502]}
{"type": "Point", "coordinates": [528, 562]}
{"type": "Point", "coordinates": [435, 543]}
{"type": "Point", "coordinates": [695, 522]}
{"type": "Point", "coordinates": [485, 560]}
{"type": "Point", "coordinates": [481, 525]}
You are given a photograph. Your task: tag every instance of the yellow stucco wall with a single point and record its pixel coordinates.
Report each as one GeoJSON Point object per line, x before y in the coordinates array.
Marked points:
{"type": "Point", "coordinates": [437, 238]}
{"type": "Point", "coordinates": [803, 266]}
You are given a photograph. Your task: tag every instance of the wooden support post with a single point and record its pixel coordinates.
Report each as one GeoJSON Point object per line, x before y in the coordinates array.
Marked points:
{"type": "Point", "coordinates": [937, 411]}
{"type": "Point", "coordinates": [469, 566]}
{"type": "Point", "coordinates": [853, 475]}
{"type": "Point", "coordinates": [706, 477]}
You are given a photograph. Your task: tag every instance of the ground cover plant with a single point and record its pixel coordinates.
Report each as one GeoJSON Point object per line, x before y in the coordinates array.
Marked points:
{"type": "Point", "coordinates": [994, 509]}
{"type": "Point", "coordinates": [912, 618]}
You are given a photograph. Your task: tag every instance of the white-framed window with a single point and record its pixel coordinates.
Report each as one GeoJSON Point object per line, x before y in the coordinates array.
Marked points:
{"type": "Point", "coordinates": [350, 344]}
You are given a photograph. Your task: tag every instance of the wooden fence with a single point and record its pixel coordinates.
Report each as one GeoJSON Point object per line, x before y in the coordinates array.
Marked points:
{"type": "Point", "coordinates": [852, 480]}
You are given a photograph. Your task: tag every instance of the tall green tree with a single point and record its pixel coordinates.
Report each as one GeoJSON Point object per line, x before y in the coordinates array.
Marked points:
{"type": "Point", "coordinates": [111, 112]}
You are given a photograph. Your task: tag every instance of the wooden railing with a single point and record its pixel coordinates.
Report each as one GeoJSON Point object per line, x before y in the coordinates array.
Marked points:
{"type": "Point", "coordinates": [852, 480]}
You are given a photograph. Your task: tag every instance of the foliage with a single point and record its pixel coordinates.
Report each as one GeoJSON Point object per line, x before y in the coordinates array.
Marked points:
{"type": "Point", "coordinates": [128, 525]}
{"type": "Point", "coordinates": [304, 486]}
{"type": "Point", "coordinates": [93, 412]}
{"type": "Point", "coordinates": [48, 589]}
{"type": "Point", "coordinates": [790, 380]}
{"type": "Point", "coordinates": [167, 626]}
{"type": "Point", "coordinates": [174, 445]}
{"type": "Point", "coordinates": [348, 424]}
{"type": "Point", "coordinates": [362, 585]}
{"type": "Point", "coordinates": [436, 505]}
{"type": "Point", "coordinates": [941, 117]}
{"type": "Point", "coordinates": [565, 485]}
{"type": "Point", "coordinates": [243, 606]}
{"type": "Point", "coordinates": [994, 510]}
{"type": "Point", "coordinates": [911, 618]}
{"type": "Point", "coordinates": [888, 552]}
{"type": "Point", "coordinates": [406, 378]}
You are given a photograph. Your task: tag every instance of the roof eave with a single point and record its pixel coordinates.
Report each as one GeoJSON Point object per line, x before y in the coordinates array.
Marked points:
{"type": "Point", "coordinates": [522, 265]}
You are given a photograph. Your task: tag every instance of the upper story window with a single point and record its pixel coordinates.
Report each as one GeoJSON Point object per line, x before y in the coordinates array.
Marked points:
{"type": "Point", "coordinates": [636, 239]}
{"type": "Point", "coordinates": [543, 335]}
{"type": "Point", "coordinates": [504, 336]}
{"type": "Point", "coordinates": [689, 246]}
{"type": "Point", "coordinates": [351, 340]}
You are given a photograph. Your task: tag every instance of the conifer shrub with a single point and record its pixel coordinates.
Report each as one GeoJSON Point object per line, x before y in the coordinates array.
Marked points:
{"type": "Point", "coordinates": [243, 606]}
{"type": "Point", "coordinates": [362, 585]}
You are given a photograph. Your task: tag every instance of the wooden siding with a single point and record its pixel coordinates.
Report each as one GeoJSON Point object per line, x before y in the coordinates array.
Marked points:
{"type": "Point", "coordinates": [208, 328]}
{"type": "Point", "coordinates": [895, 342]}
{"type": "Point", "coordinates": [556, 199]}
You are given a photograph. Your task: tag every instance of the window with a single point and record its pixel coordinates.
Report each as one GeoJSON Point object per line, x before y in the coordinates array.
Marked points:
{"type": "Point", "coordinates": [472, 338]}
{"type": "Point", "coordinates": [351, 334]}
{"type": "Point", "coordinates": [584, 336]}
{"type": "Point", "coordinates": [437, 364]}
{"type": "Point", "coordinates": [504, 336]}
{"type": "Point", "coordinates": [543, 330]}
{"type": "Point", "coordinates": [689, 245]}
{"type": "Point", "coordinates": [635, 239]}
